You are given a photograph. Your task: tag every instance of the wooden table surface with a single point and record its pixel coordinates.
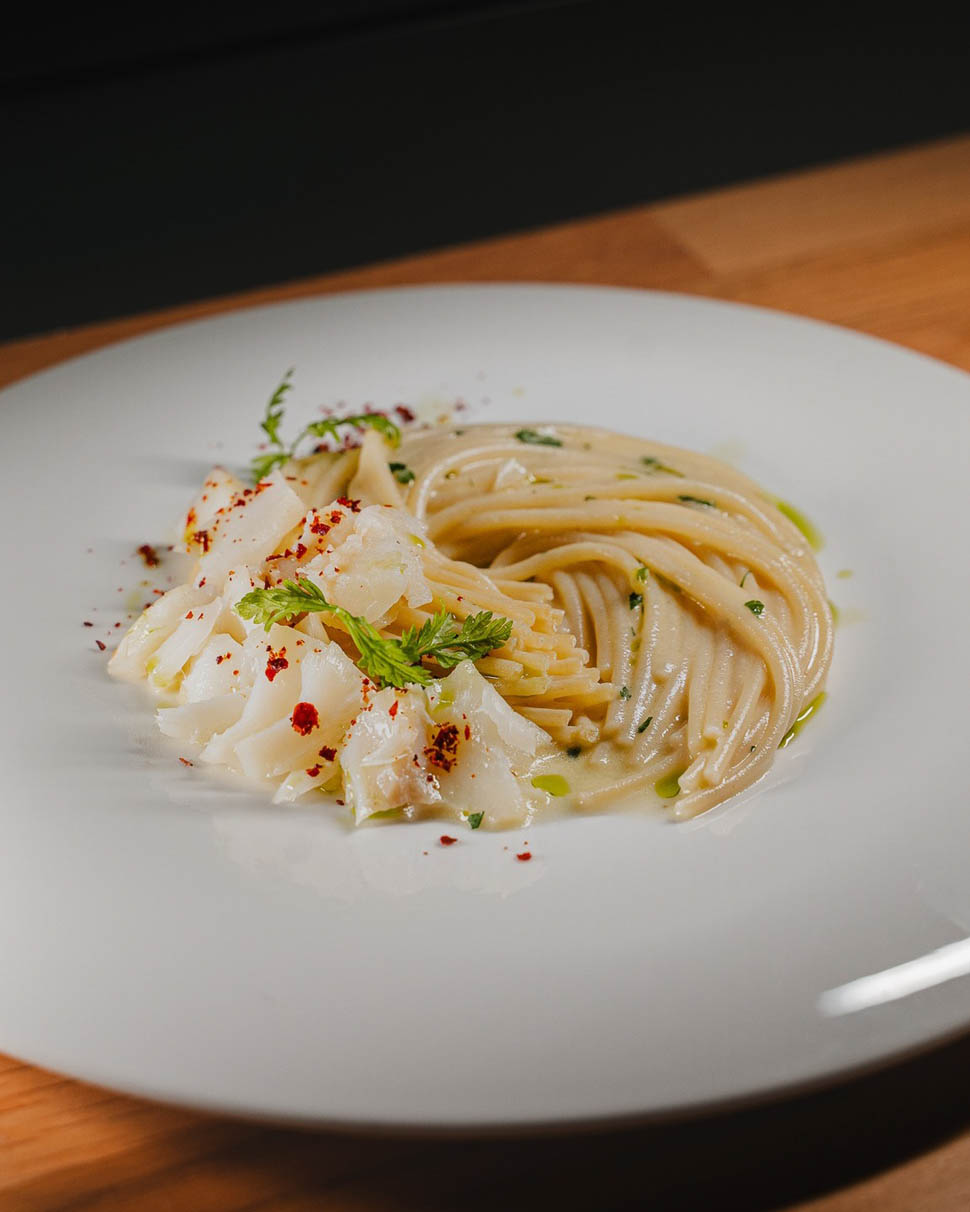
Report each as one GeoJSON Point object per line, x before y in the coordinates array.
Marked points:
{"type": "Point", "coordinates": [881, 245]}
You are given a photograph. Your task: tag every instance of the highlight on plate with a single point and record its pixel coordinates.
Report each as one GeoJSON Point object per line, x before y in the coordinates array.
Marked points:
{"type": "Point", "coordinates": [486, 622]}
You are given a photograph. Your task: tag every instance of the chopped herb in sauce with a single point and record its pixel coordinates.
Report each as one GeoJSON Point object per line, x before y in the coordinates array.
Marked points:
{"type": "Point", "coordinates": [624, 692]}
{"type": "Point", "coordinates": [755, 606]}
{"type": "Point", "coordinates": [401, 472]}
{"type": "Point", "coordinates": [656, 465]}
{"type": "Point", "coordinates": [642, 573]}
{"type": "Point", "coordinates": [533, 438]}
{"type": "Point", "coordinates": [636, 599]}
{"type": "Point", "coordinates": [474, 819]}
{"type": "Point", "coordinates": [645, 724]}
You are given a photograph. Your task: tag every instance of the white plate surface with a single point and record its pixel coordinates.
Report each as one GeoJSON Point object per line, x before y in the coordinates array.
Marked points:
{"type": "Point", "coordinates": [163, 934]}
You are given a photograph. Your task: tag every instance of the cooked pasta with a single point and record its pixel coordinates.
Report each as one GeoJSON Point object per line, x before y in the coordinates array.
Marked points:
{"type": "Point", "coordinates": [668, 622]}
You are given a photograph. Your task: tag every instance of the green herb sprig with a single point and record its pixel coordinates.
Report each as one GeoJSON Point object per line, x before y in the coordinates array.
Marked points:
{"type": "Point", "coordinates": [280, 453]}
{"type": "Point", "coordinates": [388, 661]}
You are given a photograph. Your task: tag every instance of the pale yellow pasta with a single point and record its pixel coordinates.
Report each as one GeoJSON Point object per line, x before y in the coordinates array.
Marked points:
{"type": "Point", "coordinates": [669, 621]}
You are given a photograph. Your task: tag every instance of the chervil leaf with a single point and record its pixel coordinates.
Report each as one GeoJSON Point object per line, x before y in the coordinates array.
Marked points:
{"type": "Point", "coordinates": [270, 424]}
{"type": "Point", "coordinates": [385, 659]}
{"type": "Point", "coordinates": [263, 464]}
{"type": "Point", "coordinates": [329, 428]}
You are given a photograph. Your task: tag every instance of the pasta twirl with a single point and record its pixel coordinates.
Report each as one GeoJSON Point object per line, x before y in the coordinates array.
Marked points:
{"type": "Point", "coordinates": [669, 622]}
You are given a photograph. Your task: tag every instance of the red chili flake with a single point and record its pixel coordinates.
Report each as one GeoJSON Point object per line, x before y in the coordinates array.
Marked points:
{"type": "Point", "coordinates": [404, 412]}
{"type": "Point", "coordinates": [318, 526]}
{"type": "Point", "coordinates": [235, 673]}
{"type": "Point", "coordinates": [87, 624]}
{"type": "Point", "coordinates": [328, 753]}
{"type": "Point", "coordinates": [202, 582]}
{"type": "Point", "coordinates": [300, 551]}
{"type": "Point", "coordinates": [341, 803]}
{"type": "Point", "coordinates": [524, 856]}
{"type": "Point", "coordinates": [443, 750]}
{"type": "Point", "coordinates": [149, 555]}
{"type": "Point", "coordinates": [100, 645]}
{"type": "Point", "coordinates": [392, 710]}
{"type": "Point", "coordinates": [353, 506]}
{"type": "Point", "coordinates": [201, 537]}
{"type": "Point", "coordinates": [305, 718]}
{"type": "Point", "coordinates": [445, 840]}
{"type": "Point", "coordinates": [185, 761]}
{"type": "Point", "coordinates": [312, 771]}
{"type": "Point", "coordinates": [275, 662]}
{"type": "Point", "coordinates": [158, 592]}
{"type": "Point", "coordinates": [468, 733]}
{"type": "Point", "coordinates": [336, 517]}
{"type": "Point", "coordinates": [190, 615]}
{"type": "Point", "coordinates": [190, 519]}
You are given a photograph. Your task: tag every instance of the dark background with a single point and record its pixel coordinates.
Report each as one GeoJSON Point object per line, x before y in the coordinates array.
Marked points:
{"type": "Point", "coordinates": [154, 160]}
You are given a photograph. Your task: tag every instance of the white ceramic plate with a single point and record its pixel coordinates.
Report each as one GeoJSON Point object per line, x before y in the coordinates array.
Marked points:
{"type": "Point", "coordinates": [165, 935]}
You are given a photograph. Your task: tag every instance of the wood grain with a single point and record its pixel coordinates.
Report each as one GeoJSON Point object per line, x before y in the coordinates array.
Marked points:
{"type": "Point", "coordinates": [881, 245]}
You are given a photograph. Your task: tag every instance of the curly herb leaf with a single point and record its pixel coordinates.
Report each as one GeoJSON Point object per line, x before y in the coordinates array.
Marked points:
{"type": "Point", "coordinates": [262, 464]}
{"type": "Point", "coordinates": [388, 661]}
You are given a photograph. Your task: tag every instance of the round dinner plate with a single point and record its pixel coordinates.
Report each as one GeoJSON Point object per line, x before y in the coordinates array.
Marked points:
{"type": "Point", "coordinates": [171, 934]}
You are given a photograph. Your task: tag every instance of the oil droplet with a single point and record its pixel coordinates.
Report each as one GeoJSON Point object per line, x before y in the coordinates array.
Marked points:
{"type": "Point", "coordinates": [808, 529]}
{"type": "Point", "coordinates": [802, 719]}
{"type": "Point", "coordinates": [668, 786]}
{"type": "Point", "coordinates": [555, 784]}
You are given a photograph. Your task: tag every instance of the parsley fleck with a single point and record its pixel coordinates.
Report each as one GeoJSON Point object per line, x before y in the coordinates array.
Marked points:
{"type": "Point", "coordinates": [624, 692]}
{"type": "Point", "coordinates": [645, 725]}
{"type": "Point", "coordinates": [695, 500]}
{"type": "Point", "coordinates": [475, 819]}
{"type": "Point", "coordinates": [402, 473]}
{"type": "Point", "coordinates": [656, 465]}
{"type": "Point", "coordinates": [755, 606]}
{"type": "Point", "coordinates": [642, 573]}
{"type": "Point", "coordinates": [533, 438]}
{"type": "Point", "coordinates": [574, 751]}
{"type": "Point", "coordinates": [636, 599]}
